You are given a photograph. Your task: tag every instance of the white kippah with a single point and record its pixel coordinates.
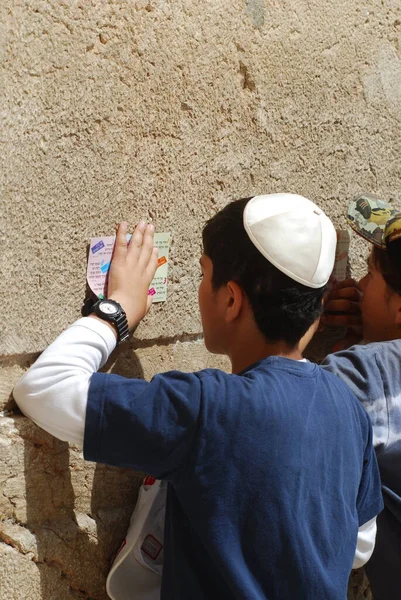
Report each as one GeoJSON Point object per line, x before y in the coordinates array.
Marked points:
{"type": "Point", "coordinates": [294, 235]}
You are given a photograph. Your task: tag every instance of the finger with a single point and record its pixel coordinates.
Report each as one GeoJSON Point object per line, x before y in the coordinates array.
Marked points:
{"type": "Point", "coordinates": [148, 303]}
{"type": "Point", "coordinates": [342, 320]}
{"type": "Point", "coordinates": [120, 247]}
{"type": "Point", "coordinates": [136, 241]}
{"type": "Point", "coordinates": [350, 293]}
{"type": "Point", "coordinates": [347, 283]}
{"type": "Point", "coordinates": [152, 265]}
{"type": "Point", "coordinates": [147, 247]}
{"type": "Point", "coordinates": [342, 306]}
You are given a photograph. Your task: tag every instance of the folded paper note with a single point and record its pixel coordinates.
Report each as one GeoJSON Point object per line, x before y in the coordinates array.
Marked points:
{"type": "Point", "coordinates": [341, 260]}
{"type": "Point", "coordinates": [100, 253]}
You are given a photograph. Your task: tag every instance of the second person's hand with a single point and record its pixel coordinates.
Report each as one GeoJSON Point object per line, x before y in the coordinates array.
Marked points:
{"type": "Point", "coordinates": [341, 305]}
{"type": "Point", "coordinates": [342, 308]}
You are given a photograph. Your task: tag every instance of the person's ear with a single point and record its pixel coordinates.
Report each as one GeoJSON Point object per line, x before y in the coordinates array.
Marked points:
{"type": "Point", "coordinates": [234, 300]}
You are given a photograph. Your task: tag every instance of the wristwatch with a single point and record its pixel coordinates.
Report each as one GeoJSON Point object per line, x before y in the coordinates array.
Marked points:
{"type": "Point", "coordinates": [113, 312]}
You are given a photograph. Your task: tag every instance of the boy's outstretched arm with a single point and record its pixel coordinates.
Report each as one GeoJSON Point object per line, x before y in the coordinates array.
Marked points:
{"type": "Point", "coordinates": [54, 391]}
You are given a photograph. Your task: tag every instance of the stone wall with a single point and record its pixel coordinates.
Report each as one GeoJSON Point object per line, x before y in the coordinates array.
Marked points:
{"type": "Point", "coordinates": [163, 109]}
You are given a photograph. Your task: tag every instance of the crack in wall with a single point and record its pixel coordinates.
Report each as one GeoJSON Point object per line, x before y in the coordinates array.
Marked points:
{"type": "Point", "coordinates": [10, 540]}
{"type": "Point", "coordinates": [135, 343]}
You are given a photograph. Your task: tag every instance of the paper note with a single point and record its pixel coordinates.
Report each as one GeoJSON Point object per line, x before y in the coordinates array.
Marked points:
{"type": "Point", "coordinates": [341, 260]}
{"type": "Point", "coordinates": [158, 287]}
{"type": "Point", "coordinates": [100, 253]}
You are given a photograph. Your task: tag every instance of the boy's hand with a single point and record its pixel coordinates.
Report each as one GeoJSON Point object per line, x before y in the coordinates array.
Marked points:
{"type": "Point", "coordinates": [341, 305]}
{"type": "Point", "coordinates": [132, 268]}
{"type": "Point", "coordinates": [341, 308]}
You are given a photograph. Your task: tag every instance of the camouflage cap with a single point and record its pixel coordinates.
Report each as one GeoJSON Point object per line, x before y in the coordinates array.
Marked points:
{"type": "Point", "coordinates": [375, 220]}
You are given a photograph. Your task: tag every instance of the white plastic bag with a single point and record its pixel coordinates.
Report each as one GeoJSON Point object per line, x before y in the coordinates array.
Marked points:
{"type": "Point", "coordinates": [136, 571]}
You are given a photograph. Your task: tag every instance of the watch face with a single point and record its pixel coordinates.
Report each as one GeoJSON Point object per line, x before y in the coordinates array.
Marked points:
{"type": "Point", "coordinates": [108, 308]}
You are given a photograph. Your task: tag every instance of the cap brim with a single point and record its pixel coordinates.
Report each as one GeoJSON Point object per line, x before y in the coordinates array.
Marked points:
{"type": "Point", "coordinates": [370, 217]}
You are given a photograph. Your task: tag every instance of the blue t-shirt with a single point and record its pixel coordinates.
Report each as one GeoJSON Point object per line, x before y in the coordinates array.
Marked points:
{"type": "Point", "coordinates": [270, 472]}
{"type": "Point", "coordinates": [373, 373]}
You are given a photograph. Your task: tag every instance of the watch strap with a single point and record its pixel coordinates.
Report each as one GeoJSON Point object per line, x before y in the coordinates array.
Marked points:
{"type": "Point", "coordinates": [119, 319]}
{"type": "Point", "coordinates": [87, 307]}
{"type": "Point", "coordinates": [121, 324]}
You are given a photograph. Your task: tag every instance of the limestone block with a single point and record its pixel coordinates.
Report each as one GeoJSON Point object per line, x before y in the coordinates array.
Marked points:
{"type": "Point", "coordinates": [20, 538]}
{"type": "Point", "coordinates": [23, 579]}
{"type": "Point", "coordinates": [63, 514]}
{"type": "Point", "coordinates": [15, 567]}
{"type": "Point", "coordinates": [10, 371]}
{"type": "Point", "coordinates": [121, 109]}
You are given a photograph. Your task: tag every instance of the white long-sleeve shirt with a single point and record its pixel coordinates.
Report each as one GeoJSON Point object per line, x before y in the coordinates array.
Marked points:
{"type": "Point", "coordinates": [54, 392]}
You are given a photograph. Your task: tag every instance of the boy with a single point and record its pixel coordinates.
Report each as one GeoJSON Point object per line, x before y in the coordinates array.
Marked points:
{"type": "Point", "coordinates": [271, 469]}
{"type": "Point", "coordinates": [372, 371]}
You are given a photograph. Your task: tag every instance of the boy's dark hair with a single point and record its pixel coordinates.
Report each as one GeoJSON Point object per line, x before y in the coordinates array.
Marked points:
{"type": "Point", "coordinates": [283, 308]}
{"type": "Point", "coordinates": [388, 262]}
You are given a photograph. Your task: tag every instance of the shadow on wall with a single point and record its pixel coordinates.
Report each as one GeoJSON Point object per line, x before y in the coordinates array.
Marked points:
{"type": "Point", "coordinates": [78, 511]}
